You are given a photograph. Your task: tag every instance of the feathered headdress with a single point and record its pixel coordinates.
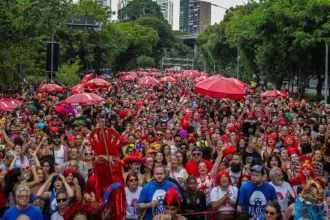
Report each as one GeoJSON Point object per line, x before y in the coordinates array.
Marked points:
{"type": "Point", "coordinates": [77, 207]}
{"type": "Point", "coordinates": [171, 196]}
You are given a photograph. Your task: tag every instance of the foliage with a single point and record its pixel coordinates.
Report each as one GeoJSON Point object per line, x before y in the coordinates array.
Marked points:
{"type": "Point", "coordinates": [68, 73]}
{"type": "Point", "coordinates": [145, 62]}
{"type": "Point", "coordinates": [281, 39]}
{"type": "Point", "coordinates": [140, 8]}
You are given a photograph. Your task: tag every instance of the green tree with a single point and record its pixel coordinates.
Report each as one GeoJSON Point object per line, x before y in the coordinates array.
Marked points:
{"type": "Point", "coordinates": [69, 73]}
{"type": "Point", "coordinates": [140, 8]}
{"type": "Point", "coordinates": [145, 61]}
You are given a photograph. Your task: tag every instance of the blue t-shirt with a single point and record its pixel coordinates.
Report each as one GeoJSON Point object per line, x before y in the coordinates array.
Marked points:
{"type": "Point", "coordinates": [254, 199]}
{"type": "Point", "coordinates": [152, 191]}
{"type": "Point", "coordinates": [32, 211]}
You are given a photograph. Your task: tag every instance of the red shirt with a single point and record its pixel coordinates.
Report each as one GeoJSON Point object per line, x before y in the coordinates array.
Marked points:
{"type": "Point", "coordinates": [192, 167]}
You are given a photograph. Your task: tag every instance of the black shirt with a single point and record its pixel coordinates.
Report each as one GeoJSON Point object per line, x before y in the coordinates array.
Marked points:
{"type": "Point", "coordinates": [248, 157]}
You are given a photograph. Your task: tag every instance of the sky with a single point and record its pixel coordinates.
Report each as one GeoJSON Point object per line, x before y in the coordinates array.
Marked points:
{"type": "Point", "coordinates": [217, 13]}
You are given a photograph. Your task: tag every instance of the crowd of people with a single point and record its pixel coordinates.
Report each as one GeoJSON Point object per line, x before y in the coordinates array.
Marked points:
{"type": "Point", "coordinates": [184, 155]}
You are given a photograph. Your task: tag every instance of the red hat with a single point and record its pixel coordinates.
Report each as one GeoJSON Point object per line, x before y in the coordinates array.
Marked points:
{"type": "Point", "coordinates": [201, 110]}
{"type": "Point", "coordinates": [134, 158]}
{"type": "Point", "coordinates": [220, 174]}
{"type": "Point", "coordinates": [68, 171]}
{"type": "Point", "coordinates": [71, 138]}
{"type": "Point", "coordinates": [229, 150]}
{"type": "Point", "coordinates": [171, 196]}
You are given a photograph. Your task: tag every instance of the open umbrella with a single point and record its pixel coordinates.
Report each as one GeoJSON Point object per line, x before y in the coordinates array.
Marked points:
{"type": "Point", "coordinates": [217, 76]}
{"type": "Point", "coordinates": [168, 79]}
{"type": "Point", "coordinates": [50, 88]}
{"type": "Point", "coordinates": [7, 106]}
{"type": "Point", "coordinates": [191, 73]}
{"type": "Point", "coordinates": [148, 81]}
{"type": "Point", "coordinates": [79, 88]}
{"type": "Point", "coordinates": [83, 99]}
{"type": "Point", "coordinates": [179, 75]}
{"type": "Point", "coordinates": [12, 101]}
{"type": "Point", "coordinates": [220, 88]}
{"type": "Point", "coordinates": [128, 78]}
{"type": "Point", "coordinates": [87, 78]}
{"type": "Point", "coordinates": [239, 82]}
{"type": "Point", "coordinates": [105, 76]}
{"type": "Point", "coordinates": [156, 74]}
{"type": "Point", "coordinates": [275, 93]}
{"type": "Point", "coordinates": [201, 78]}
{"type": "Point", "coordinates": [205, 74]}
{"type": "Point", "coordinates": [97, 83]}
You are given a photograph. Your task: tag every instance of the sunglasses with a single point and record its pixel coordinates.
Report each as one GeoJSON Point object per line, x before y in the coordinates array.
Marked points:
{"type": "Point", "coordinates": [88, 154]}
{"type": "Point", "coordinates": [25, 168]}
{"type": "Point", "coordinates": [133, 180]}
{"type": "Point", "coordinates": [159, 134]}
{"type": "Point", "coordinates": [269, 212]}
{"type": "Point", "coordinates": [198, 154]}
{"type": "Point", "coordinates": [61, 200]}
{"type": "Point", "coordinates": [177, 141]}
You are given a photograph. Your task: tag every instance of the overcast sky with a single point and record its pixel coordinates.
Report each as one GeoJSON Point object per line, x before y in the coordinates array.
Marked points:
{"type": "Point", "coordinates": [217, 13]}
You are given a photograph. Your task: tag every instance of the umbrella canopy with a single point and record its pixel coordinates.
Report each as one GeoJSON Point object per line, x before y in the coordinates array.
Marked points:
{"type": "Point", "coordinates": [201, 78]}
{"type": "Point", "coordinates": [148, 81]}
{"type": "Point", "coordinates": [156, 74]}
{"type": "Point", "coordinates": [191, 73]}
{"type": "Point", "coordinates": [168, 79]}
{"type": "Point", "coordinates": [239, 82]}
{"type": "Point", "coordinates": [79, 88]}
{"type": "Point", "coordinates": [12, 101]}
{"type": "Point", "coordinates": [97, 82]}
{"type": "Point", "coordinates": [220, 88]}
{"type": "Point", "coordinates": [205, 74]}
{"type": "Point", "coordinates": [179, 75]}
{"type": "Point", "coordinates": [87, 78]}
{"type": "Point", "coordinates": [128, 78]}
{"type": "Point", "coordinates": [217, 76]}
{"type": "Point", "coordinates": [7, 106]}
{"type": "Point", "coordinates": [50, 88]}
{"type": "Point", "coordinates": [83, 99]}
{"type": "Point", "coordinates": [105, 76]}
{"type": "Point", "coordinates": [275, 93]}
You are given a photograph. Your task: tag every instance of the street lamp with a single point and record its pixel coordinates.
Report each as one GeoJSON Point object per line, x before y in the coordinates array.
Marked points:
{"type": "Point", "coordinates": [237, 67]}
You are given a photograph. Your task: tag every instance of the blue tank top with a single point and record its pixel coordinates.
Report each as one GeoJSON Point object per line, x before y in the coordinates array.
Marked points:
{"type": "Point", "coordinates": [52, 205]}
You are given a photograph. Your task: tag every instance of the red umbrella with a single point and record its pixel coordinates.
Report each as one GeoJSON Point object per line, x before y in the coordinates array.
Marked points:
{"type": "Point", "coordinates": [79, 88]}
{"type": "Point", "coordinates": [97, 82]}
{"type": "Point", "coordinates": [148, 81]}
{"type": "Point", "coordinates": [12, 101]}
{"type": "Point", "coordinates": [7, 106]}
{"type": "Point", "coordinates": [201, 78]}
{"type": "Point", "coordinates": [191, 73]}
{"type": "Point", "coordinates": [275, 93]}
{"type": "Point", "coordinates": [217, 76]}
{"type": "Point", "coordinates": [142, 73]}
{"type": "Point", "coordinates": [83, 99]}
{"type": "Point", "coordinates": [239, 82]}
{"type": "Point", "coordinates": [168, 79]}
{"type": "Point", "coordinates": [50, 88]}
{"type": "Point", "coordinates": [156, 74]}
{"type": "Point", "coordinates": [128, 78]}
{"type": "Point", "coordinates": [205, 74]}
{"type": "Point", "coordinates": [87, 78]}
{"type": "Point", "coordinates": [179, 75]}
{"type": "Point", "coordinates": [220, 88]}
{"type": "Point", "coordinates": [105, 76]}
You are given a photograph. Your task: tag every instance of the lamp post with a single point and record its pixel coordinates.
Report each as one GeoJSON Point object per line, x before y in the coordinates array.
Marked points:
{"type": "Point", "coordinates": [238, 58]}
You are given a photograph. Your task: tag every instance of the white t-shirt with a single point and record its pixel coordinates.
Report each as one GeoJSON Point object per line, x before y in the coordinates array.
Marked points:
{"type": "Point", "coordinates": [56, 216]}
{"type": "Point", "coordinates": [281, 195]}
{"type": "Point", "coordinates": [132, 198]}
{"type": "Point", "coordinates": [217, 193]}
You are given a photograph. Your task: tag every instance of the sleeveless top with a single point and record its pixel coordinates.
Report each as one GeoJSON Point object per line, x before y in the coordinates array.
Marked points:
{"type": "Point", "coordinates": [52, 205]}
{"type": "Point", "coordinates": [59, 155]}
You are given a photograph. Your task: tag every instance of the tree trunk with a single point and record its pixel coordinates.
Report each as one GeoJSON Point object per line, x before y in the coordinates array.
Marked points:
{"type": "Point", "coordinates": [319, 85]}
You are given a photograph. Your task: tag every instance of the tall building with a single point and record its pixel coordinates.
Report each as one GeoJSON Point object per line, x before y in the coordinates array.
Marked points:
{"type": "Point", "coordinates": [166, 7]}
{"type": "Point", "coordinates": [195, 16]}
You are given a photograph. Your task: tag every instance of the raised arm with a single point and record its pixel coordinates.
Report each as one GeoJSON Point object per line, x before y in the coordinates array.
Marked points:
{"type": "Point", "coordinates": [215, 168]}
{"type": "Point", "coordinates": [35, 178]}
{"type": "Point", "coordinates": [5, 136]}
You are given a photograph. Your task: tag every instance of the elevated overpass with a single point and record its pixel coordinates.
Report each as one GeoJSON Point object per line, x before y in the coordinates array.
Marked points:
{"type": "Point", "coordinates": [191, 41]}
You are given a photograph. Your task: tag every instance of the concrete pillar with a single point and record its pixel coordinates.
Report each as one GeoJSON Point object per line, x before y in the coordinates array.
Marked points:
{"type": "Point", "coordinates": [196, 49]}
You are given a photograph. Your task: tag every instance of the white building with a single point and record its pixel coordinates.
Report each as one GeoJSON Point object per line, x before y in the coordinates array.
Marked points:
{"type": "Point", "coordinates": [104, 3]}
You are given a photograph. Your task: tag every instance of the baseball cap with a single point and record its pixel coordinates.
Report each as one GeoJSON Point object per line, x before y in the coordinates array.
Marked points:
{"type": "Point", "coordinates": [258, 169]}
{"type": "Point", "coordinates": [196, 149]}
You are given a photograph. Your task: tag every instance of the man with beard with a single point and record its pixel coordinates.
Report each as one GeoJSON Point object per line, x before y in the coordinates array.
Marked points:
{"type": "Point", "coordinates": [251, 152]}
{"type": "Point", "coordinates": [301, 123]}
{"type": "Point", "coordinates": [283, 189]}
{"type": "Point", "coordinates": [255, 194]}
{"type": "Point", "coordinates": [60, 152]}
{"type": "Point", "coordinates": [153, 193]}
{"type": "Point", "coordinates": [197, 157]}
{"type": "Point", "coordinates": [235, 168]}
{"type": "Point", "coordinates": [133, 162]}
{"type": "Point", "coordinates": [305, 146]}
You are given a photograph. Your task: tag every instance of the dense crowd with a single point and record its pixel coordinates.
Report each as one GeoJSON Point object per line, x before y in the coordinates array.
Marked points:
{"type": "Point", "coordinates": [184, 155]}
